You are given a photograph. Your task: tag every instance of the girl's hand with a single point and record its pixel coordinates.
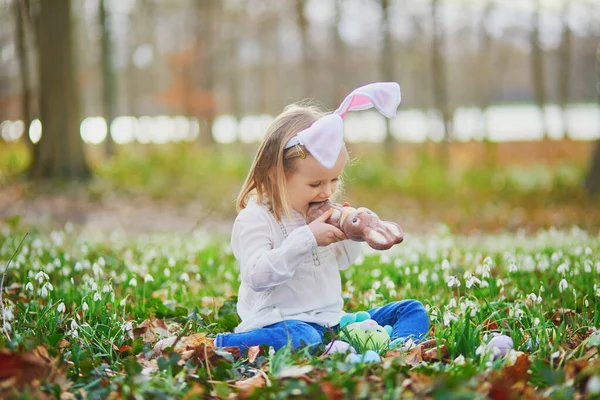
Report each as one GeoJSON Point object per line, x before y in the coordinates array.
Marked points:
{"type": "Point", "coordinates": [325, 233]}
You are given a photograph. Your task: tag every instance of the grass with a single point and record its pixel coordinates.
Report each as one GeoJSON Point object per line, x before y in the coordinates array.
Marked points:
{"type": "Point", "coordinates": [81, 298]}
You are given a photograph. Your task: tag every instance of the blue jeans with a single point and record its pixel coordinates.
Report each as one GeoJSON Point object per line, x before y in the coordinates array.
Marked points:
{"type": "Point", "coordinates": [408, 318]}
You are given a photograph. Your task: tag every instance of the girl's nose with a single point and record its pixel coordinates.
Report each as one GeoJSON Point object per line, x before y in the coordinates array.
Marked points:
{"type": "Point", "coordinates": [327, 191]}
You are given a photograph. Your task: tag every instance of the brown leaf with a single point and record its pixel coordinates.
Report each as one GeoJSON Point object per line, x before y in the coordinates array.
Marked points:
{"type": "Point", "coordinates": [432, 352]}
{"type": "Point", "coordinates": [123, 349]}
{"type": "Point", "coordinates": [247, 386]}
{"type": "Point", "coordinates": [331, 391]}
{"type": "Point", "coordinates": [414, 356]}
{"type": "Point", "coordinates": [63, 343]}
{"type": "Point", "coordinates": [151, 329]}
{"type": "Point", "coordinates": [418, 383]}
{"type": "Point", "coordinates": [518, 371]}
{"type": "Point", "coordinates": [253, 352]}
{"type": "Point", "coordinates": [18, 371]}
{"type": "Point", "coordinates": [195, 392]}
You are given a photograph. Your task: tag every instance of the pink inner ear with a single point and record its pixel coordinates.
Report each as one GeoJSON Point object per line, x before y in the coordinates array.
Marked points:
{"type": "Point", "coordinates": [357, 100]}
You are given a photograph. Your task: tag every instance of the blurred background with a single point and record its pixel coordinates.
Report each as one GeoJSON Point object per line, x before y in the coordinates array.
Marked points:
{"type": "Point", "coordinates": [145, 115]}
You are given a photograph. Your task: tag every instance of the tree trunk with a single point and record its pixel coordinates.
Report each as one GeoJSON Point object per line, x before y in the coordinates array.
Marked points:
{"type": "Point", "coordinates": [387, 70]}
{"type": "Point", "coordinates": [60, 148]}
{"type": "Point", "coordinates": [537, 65]}
{"type": "Point", "coordinates": [564, 76]}
{"type": "Point", "coordinates": [338, 63]}
{"type": "Point", "coordinates": [438, 68]}
{"type": "Point", "coordinates": [206, 15]}
{"type": "Point", "coordinates": [24, 71]}
{"type": "Point", "coordinates": [592, 181]}
{"type": "Point", "coordinates": [109, 99]}
{"type": "Point", "coordinates": [307, 90]}
{"type": "Point", "coordinates": [484, 81]}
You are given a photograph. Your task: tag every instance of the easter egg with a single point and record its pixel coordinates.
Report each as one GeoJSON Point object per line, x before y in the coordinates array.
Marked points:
{"type": "Point", "coordinates": [500, 345]}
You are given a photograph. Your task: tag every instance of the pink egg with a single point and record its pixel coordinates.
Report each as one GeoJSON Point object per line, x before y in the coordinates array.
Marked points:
{"type": "Point", "coordinates": [500, 344]}
{"type": "Point", "coordinates": [338, 346]}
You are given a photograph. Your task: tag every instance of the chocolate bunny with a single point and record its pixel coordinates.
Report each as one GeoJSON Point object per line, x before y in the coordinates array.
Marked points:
{"type": "Point", "coordinates": [359, 224]}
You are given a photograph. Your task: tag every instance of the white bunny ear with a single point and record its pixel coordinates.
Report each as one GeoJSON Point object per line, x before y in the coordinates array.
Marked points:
{"type": "Point", "coordinates": [384, 96]}
{"type": "Point", "coordinates": [324, 138]}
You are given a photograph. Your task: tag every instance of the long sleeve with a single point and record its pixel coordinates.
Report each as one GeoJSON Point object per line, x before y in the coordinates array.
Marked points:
{"type": "Point", "coordinates": [346, 252]}
{"type": "Point", "coordinates": [262, 266]}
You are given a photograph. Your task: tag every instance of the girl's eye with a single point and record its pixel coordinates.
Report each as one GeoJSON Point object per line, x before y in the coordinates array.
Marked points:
{"type": "Point", "coordinates": [315, 185]}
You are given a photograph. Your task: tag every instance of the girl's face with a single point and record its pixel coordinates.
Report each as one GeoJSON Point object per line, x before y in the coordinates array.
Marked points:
{"type": "Point", "coordinates": [312, 182]}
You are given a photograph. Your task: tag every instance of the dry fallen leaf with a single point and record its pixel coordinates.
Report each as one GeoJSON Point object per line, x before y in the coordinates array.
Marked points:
{"type": "Point", "coordinates": [151, 329]}
{"type": "Point", "coordinates": [414, 356]}
{"type": "Point", "coordinates": [18, 371]}
{"type": "Point", "coordinates": [247, 386]}
{"type": "Point", "coordinates": [331, 391]}
{"type": "Point", "coordinates": [253, 352]}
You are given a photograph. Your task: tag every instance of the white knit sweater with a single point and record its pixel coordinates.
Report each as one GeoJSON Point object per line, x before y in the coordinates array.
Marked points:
{"type": "Point", "coordinates": [284, 274]}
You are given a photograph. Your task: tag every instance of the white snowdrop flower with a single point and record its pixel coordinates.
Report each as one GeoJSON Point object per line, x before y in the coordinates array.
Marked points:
{"type": "Point", "coordinates": [133, 282]}
{"type": "Point", "coordinates": [587, 266]}
{"type": "Point", "coordinates": [101, 262]}
{"type": "Point", "coordinates": [539, 300]}
{"type": "Point", "coordinates": [563, 285]}
{"type": "Point", "coordinates": [73, 333]}
{"type": "Point", "coordinates": [488, 261]}
{"type": "Point", "coordinates": [586, 303]}
{"type": "Point", "coordinates": [74, 325]}
{"type": "Point", "coordinates": [511, 357]}
{"type": "Point", "coordinates": [481, 350]}
{"type": "Point", "coordinates": [43, 292]}
{"type": "Point", "coordinates": [41, 276]}
{"type": "Point", "coordinates": [123, 302]}
{"type": "Point", "coordinates": [376, 273]}
{"type": "Point", "coordinates": [78, 266]}
{"type": "Point", "coordinates": [228, 276]}
{"type": "Point", "coordinates": [542, 289]}
{"type": "Point", "coordinates": [453, 281]}
{"type": "Point", "coordinates": [385, 259]}
{"type": "Point", "coordinates": [96, 269]}
{"type": "Point", "coordinates": [435, 277]}
{"type": "Point", "coordinates": [555, 257]}
{"type": "Point", "coordinates": [532, 297]}
{"type": "Point", "coordinates": [536, 321]}
{"type": "Point", "coordinates": [84, 306]}
{"type": "Point", "coordinates": [449, 317]}
{"type": "Point", "coordinates": [107, 288]}
{"type": "Point", "coordinates": [397, 263]}
{"type": "Point", "coordinates": [389, 284]}
{"type": "Point", "coordinates": [167, 272]}
{"type": "Point", "coordinates": [500, 282]}
{"type": "Point", "coordinates": [512, 267]}
{"type": "Point", "coordinates": [593, 385]}
{"type": "Point", "coordinates": [423, 277]}
{"type": "Point", "coordinates": [407, 271]}
{"type": "Point", "coordinates": [184, 277]}
{"type": "Point", "coordinates": [8, 313]}
{"type": "Point", "coordinates": [171, 262]}
{"type": "Point", "coordinates": [485, 271]}
{"type": "Point", "coordinates": [562, 268]}
{"type": "Point", "coordinates": [460, 360]}
{"type": "Point", "coordinates": [484, 284]}
{"type": "Point", "coordinates": [148, 278]}
{"type": "Point", "coordinates": [445, 265]}
{"type": "Point", "coordinates": [376, 285]}
{"type": "Point", "coordinates": [61, 307]}
{"type": "Point", "coordinates": [452, 303]}
{"type": "Point", "coordinates": [556, 354]}
{"type": "Point", "coordinates": [392, 293]}
{"type": "Point", "coordinates": [94, 286]}
{"type": "Point", "coordinates": [29, 287]}
{"type": "Point", "coordinates": [97, 296]}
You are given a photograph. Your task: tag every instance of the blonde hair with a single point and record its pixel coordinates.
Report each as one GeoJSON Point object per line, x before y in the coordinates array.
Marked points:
{"type": "Point", "coordinates": [267, 176]}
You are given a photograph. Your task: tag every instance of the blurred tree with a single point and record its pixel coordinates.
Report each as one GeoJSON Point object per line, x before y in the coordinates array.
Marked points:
{"type": "Point", "coordinates": [339, 59]}
{"type": "Point", "coordinates": [592, 181]}
{"type": "Point", "coordinates": [564, 74]}
{"type": "Point", "coordinates": [387, 70]}
{"type": "Point", "coordinates": [484, 81]}
{"type": "Point", "coordinates": [20, 9]}
{"type": "Point", "coordinates": [537, 64]}
{"type": "Point", "coordinates": [307, 84]}
{"type": "Point", "coordinates": [207, 12]}
{"type": "Point", "coordinates": [60, 150]}
{"type": "Point", "coordinates": [109, 93]}
{"type": "Point", "coordinates": [438, 69]}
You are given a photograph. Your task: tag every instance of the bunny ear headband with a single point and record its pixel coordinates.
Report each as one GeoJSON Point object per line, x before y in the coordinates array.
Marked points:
{"type": "Point", "coordinates": [325, 137]}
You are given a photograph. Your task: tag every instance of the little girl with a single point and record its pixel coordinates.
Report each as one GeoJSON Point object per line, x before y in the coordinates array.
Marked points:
{"type": "Point", "coordinates": [290, 281]}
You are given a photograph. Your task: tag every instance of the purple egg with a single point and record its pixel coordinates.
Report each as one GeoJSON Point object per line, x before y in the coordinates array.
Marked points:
{"type": "Point", "coordinates": [502, 343]}
{"type": "Point", "coordinates": [338, 346]}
